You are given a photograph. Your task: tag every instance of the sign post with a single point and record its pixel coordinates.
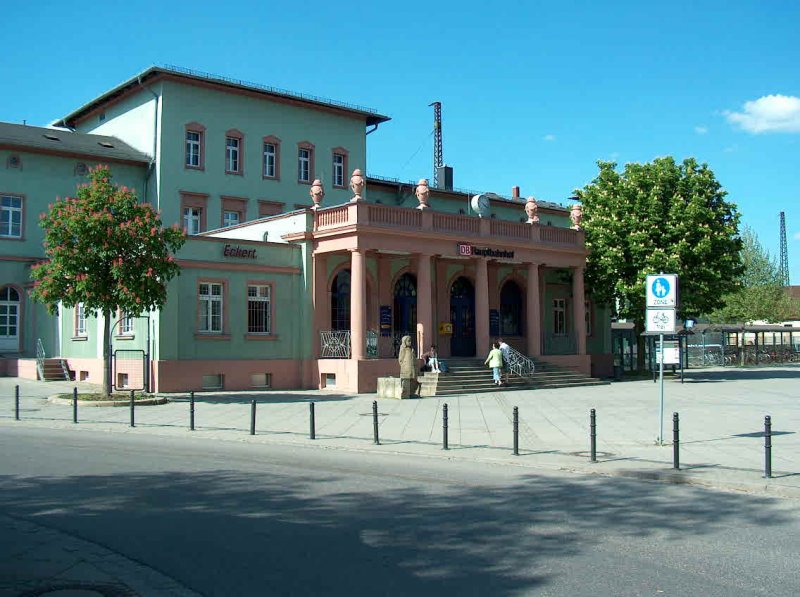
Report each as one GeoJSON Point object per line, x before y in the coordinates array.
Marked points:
{"type": "Point", "coordinates": [662, 298]}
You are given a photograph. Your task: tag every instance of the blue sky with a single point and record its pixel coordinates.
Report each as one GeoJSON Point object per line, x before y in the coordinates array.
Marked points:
{"type": "Point", "coordinates": [533, 93]}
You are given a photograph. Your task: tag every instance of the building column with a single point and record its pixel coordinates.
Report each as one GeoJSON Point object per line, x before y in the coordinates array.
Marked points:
{"type": "Point", "coordinates": [321, 298]}
{"type": "Point", "coordinates": [425, 333]}
{"type": "Point", "coordinates": [482, 340]}
{"type": "Point", "coordinates": [385, 297]}
{"type": "Point", "coordinates": [533, 312]}
{"type": "Point", "coordinates": [358, 308]}
{"type": "Point", "coordinates": [579, 310]}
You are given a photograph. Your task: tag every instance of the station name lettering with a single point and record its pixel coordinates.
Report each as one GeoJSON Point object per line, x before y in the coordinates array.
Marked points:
{"type": "Point", "coordinates": [231, 251]}
{"type": "Point", "coordinates": [470, 250]}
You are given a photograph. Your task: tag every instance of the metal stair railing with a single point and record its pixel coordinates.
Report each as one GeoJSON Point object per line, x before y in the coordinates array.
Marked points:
{"type": "Point", "coordinates": [519, 364]}
{"type": "Point", "coordinates": [40, 357]}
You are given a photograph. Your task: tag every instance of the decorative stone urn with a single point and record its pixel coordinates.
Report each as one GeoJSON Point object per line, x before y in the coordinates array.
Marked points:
{"type": "Point", "coordinates": [576, 215]}
{"type": "Point", "coordinates": [423, 193]}
{"type": "Point", "coordinates": [317, 193]}
{"type": "Point", "coordinates": [357, 184]}
{"type": "Point", "coordinates": [531, 207]}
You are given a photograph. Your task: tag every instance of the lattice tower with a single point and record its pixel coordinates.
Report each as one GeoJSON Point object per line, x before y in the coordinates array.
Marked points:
{"type": "Point", "coordinates": [784, 258]}
{"type": "Point", "coordinates": [437, 141]}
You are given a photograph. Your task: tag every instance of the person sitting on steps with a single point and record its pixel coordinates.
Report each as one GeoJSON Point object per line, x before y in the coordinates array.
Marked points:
{"type": "Point", "coordinates": [431, 359]}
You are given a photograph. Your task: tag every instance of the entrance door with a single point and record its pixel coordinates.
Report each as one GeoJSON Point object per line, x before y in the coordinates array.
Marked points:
{"type": "Point", "coordinates": [462, 316]}
{"type": "Point", "coordinates": [405, 310]}
{"type": "Point", "coordinates": [9, 319]}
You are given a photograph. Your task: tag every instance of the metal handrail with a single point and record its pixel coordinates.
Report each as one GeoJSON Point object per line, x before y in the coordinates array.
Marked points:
{"type": "Point", "coordinates": [519, 364]}
{"type": "Point", "coordinates": [40, 357]}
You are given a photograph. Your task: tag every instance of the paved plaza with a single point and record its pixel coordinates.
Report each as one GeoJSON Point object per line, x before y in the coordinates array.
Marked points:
{"type": "Point", "coordinates": [721, 412]}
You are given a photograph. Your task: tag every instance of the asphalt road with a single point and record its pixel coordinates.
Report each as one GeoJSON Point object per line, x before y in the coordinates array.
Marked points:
{"type": "Point", "coordinates": [229, 518]}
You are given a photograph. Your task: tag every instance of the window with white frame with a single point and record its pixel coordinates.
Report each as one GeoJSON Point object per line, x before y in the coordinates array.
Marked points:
{"type": "Point", "coordinates": [80, 320]}
{"type": "Point", "coordinates": [338, 170]}
{"type": "Point", "coordinates": [304, 165]}
{"type": "Point", "coordinates": [191, 220]}
{"type": "Point", "coordinates": [125, 324]}
{"type": "Point", "coordinates": [11, 216]}
{"type": "Point", "coordinates": [193, 143]}
{"type": "Point", "coordinates": [210, 308]}
{"type": "Point", "coordinates": [270, 163]}
{"type": "Point", "coordinates": [259, 316]}
{"type": "Point", "coordinates": [232, 148]}
{"type": "Point", "coordinates": [559, 317]}
{"type": "Point", "coordinates": [230, 218]}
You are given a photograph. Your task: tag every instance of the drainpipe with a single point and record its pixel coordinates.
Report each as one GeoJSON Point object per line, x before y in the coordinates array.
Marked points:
{"type": "Point", "coordinates": [375, 128]}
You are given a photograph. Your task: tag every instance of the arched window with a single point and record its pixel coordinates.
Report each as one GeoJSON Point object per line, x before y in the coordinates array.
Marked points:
{"type": "Point", "coordinates": [9, 319]}
{"type": "Point", "coordinates": [340, 301]}
{"type": "Point", "coordinates": [510, 309]}
{"type": "Point", "coordinates": [405, 305]}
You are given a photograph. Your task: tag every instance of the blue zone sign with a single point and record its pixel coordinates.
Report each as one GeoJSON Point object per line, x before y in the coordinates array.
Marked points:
{"type": "Point", "coordinates": [662, 290]}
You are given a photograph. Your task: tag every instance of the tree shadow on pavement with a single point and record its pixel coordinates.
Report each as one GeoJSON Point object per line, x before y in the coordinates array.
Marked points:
{"type": "Point", "coordinates": [229, 533]}
{"type": "Point", "coordinates": [736, 374]}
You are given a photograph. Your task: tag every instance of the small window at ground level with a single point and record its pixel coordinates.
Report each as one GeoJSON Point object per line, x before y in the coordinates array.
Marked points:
{"type": "Point", "coordinates": [330, 380]}
{"type": "Point", "coordinates": [213, 382]}
{"type": "Point", "coordinates": [261, 380]}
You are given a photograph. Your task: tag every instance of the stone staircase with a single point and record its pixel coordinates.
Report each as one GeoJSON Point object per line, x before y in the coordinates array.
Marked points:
{"type": "Point", "coordinates": [468, 376]}
{"type": "Point", "coordinates": [54, 370]}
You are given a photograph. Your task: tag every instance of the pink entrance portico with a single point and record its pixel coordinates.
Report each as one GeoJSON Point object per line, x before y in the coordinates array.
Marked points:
{"type": "Point", "coordinates": [379, 245]}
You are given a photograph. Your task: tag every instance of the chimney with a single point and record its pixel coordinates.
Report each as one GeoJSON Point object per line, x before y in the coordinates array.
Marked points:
{"type": "Point", "coordinates": [515, 192]}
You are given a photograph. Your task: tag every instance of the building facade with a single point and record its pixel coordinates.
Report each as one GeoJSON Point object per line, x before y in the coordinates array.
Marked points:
{"type": "Point", "coordinates": [299, 272]}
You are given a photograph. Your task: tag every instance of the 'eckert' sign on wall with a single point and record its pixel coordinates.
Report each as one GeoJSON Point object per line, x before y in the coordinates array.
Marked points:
{"type": "Point", "coordinates": [470, 251]}
{"type": "Point", "coordinates": [231, 251]}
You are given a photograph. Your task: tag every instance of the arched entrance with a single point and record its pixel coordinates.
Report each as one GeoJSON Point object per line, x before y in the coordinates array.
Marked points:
{"type": "Point", "coordinates": [340, 301]}
{"type": "Point", "coordinates": [462, 316]}
{"type": "Point", "coordinates": [9, 319]}
{"type": "Point", "coordinates": [510, 309]}
{"type": "Point", "coordinates": [405, 309]}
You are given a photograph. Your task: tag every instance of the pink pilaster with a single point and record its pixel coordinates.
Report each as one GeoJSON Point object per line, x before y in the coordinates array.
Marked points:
{"type": "Point", "coordinates": [534, 312]}
{"type": "Point", "coordinates": [358, 308]}
{"type": "Point", "coordinates": [482, 341]}
{"type": "Point", "coordinates": [321, 300]}
{"type": "Point", "coordinates": [425, 335]}
{"type": "Point", "coordinates": [579, 309]}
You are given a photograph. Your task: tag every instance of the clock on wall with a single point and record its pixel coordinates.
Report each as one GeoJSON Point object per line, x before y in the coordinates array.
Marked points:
{"type": "Point", "coordinates": [480, 205]}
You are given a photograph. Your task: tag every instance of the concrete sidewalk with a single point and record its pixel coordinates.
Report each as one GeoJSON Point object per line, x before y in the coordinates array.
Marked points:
{"type": "Point", "coordinates": [721, 419]}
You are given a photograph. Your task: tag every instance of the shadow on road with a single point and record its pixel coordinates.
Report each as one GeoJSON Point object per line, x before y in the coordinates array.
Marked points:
{"type": "Point", "coordinates": [227, 533]}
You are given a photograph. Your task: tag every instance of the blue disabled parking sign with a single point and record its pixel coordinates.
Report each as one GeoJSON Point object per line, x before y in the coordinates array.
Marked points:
{"type": "Point", "coordinates": [662, 290]}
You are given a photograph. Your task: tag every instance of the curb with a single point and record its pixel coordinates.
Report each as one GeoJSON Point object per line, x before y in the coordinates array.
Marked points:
{"type": "Point", "coordinates": [68, 402]}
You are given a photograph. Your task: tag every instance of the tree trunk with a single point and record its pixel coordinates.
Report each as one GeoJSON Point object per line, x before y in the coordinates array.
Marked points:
{"type": "Point", "coordinates": [107, 353]}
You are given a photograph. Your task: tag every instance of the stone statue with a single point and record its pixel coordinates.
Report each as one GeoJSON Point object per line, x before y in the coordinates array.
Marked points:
{"type": "Point", "coordinates": [408, 368]}
{"type": "Point", "coordinates": [317, 193]}
{"type": "Point", "coordinates": [576, 215]}
{"type": "Point", "coordinates": [531, 207]}
{"type": "Point", "coordinates": [357, 184]}
{"type": "Point", "coordinates": [423, 192]}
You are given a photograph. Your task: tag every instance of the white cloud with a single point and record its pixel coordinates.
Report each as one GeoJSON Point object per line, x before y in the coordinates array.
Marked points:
{"type": "Point", "coordinates": [770, 113]}
{"type": "Point", "coordinates": [701, 130]}
{"type": "Point", "coordinates": [549, 137]}
{"type": "Point", "coordinates": [796, 236]}
{"type": "Point", "coordinates": [731, 149]}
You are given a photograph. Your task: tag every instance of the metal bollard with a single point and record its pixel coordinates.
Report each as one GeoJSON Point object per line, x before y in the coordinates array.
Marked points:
{"type": "Point", "coordinates": [516, 431]}
{"type": "Point", "coordinates": [593, 435]}
{"type": "Point", "coordinates": [74, 405]}
{"type": "Point", "coordinates": [444, 427]}
{"type": "Point", "coordinates": [375, 422]}
{"type": "Point", "coordinates": [16, 403]}
{"type": "Point", "coordinates": [253, 417]}
{"type": "Point", "coordinates": [768, 447]}
{"type": "Point", "coordinates": [191, 411]}
{"type": "Point", "coordinates": [133, 416]}
{"type": "Point", "coordinates": [676, 440]}
{"type": "Point", "coordinates": [312, 431]}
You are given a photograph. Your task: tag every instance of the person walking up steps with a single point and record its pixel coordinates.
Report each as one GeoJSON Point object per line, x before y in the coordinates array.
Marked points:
{"type": "Point", "coordinates": [505, 350]}
{"type": "Point", "coordinates": [495, 361]}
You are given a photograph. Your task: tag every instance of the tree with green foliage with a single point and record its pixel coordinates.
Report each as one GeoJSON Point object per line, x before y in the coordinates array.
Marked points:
{"type": "Point", "coordinates": [659, 217]}
{"type": "Point", "coordinates": [108, 251]}
{"type": "Point", "coordinates": [760, 295]}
